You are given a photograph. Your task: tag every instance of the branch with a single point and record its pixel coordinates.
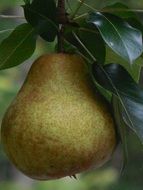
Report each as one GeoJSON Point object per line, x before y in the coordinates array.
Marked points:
{"type": "Point", "coordinates": [61, 12]}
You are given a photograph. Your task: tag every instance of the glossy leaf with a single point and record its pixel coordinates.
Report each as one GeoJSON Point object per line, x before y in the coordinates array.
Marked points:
{"type": "Point", "coordinates": [119, 35]}
{"type": "Point", "coordinates": [42, 16]}
{"type": "Point", "coordinates": [93, 41]}
{"type": "Point", "coordinates": [134, 70]}
{"type": "Point", "coordinates": [121, 127]}
{"type": "Point", "coordinates": [132, 146]}
{"type": "Point", "coordinates": [18, 47]}
{"type": "Point", "coordinates": [116, 79]}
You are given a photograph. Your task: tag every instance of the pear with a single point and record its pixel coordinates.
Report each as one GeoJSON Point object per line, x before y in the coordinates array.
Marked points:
{"type": "Point", "coordinates": [58, 125]}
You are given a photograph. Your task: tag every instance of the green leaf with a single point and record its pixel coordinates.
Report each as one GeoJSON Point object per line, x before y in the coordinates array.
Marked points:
{"type": "Point", "coordinates": [116, 79]}
{"type": "Point", "coordinates": [9, 3]}
{"type": "Point", "coordinates": [18, 47]}
{"type": "Point", "coordinates": [87, 39]}
{"type": "Point", "coordinates": [42, 16]}
{"type": "Point", "coordinates": [119, 35]}
{"type": "Point", "coordinates": [69, 48]}
{"type": "Point", "coordinates": [121, 128]}
{"type": "Point", "coordinates": [132, 147]}
{"type": "Point", "coordinates": [134, 70]}
{"type": "Point", "coordinates": [4, 34]}
{"type": "Point", "coordinates": [119, 9]}
{"type": "Point", "coordinates": [135, 23]}
{"type": "Point", "coordinates": [92, 40]}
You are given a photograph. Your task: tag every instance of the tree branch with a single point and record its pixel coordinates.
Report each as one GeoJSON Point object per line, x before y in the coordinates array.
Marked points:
{"type": "Point", "coordinates": [61, 12]}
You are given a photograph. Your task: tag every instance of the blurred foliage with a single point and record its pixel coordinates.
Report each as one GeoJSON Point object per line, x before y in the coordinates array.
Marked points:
{"type": "Point", "coordinates": [4, 4]}
{"type": "Point", "coordinates": [100, 180]}
{"type": "Point", "coordinates": [98, 4]}
{"type": "Point", "coordinates": [10, 81]}
{"type": "Point", "coordinates": [7, 88]}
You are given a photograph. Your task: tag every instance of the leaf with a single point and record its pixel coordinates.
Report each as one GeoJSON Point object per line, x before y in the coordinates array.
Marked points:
{"type": "Point", "coordinates": [18, 47]}
{"type": "Point", "coordinates": [42, 16]}
{"type": "Point", "coordinates": [121, 127]}
{"type": "Point", "coordinates": [69, 48]}
{"type": "Point", "coordinates": [4, 34]}
{"type": "Point", "coordinates": [90, 39]}
{"type": "Point", "coordinates": [119, 35]}
{"type": "Point", "coordinates": [119, 9]}
{"type": "Point", "coordinates": [135, 23]}
{"type": "Point", "coordinates": [132, 147]}
{"type": "Point", "coordinates": [116, 79]}
{"type": "Point", "coordinates": [134, 70]}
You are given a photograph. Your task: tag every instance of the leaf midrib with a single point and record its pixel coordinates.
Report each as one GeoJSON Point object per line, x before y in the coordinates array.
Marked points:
{"type": "Point", "coordinates": [14, 50]}
{"type": "Point", "coordinates": [118, 35]}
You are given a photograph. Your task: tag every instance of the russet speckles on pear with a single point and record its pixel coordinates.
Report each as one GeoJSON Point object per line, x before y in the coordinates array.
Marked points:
{"type": "Point", "coordinates": [57, 125]}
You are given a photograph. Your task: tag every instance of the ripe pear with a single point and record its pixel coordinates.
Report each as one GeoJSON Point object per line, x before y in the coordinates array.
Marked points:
{"type": "Point", "coordinates": [58, 125]}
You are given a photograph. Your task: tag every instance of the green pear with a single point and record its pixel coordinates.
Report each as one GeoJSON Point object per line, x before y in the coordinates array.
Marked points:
{"type": "Point", "coordinates": [58, 125]}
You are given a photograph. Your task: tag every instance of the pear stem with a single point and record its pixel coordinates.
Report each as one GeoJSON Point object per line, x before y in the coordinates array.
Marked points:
{"type": "Point", "coordinates": [62, 20]}
{"type": "Point", "coordinates": [61, 39]}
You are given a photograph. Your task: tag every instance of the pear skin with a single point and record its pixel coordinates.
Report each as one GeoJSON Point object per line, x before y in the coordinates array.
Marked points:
{"type": "Point", "coordinates": [58, 125]}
